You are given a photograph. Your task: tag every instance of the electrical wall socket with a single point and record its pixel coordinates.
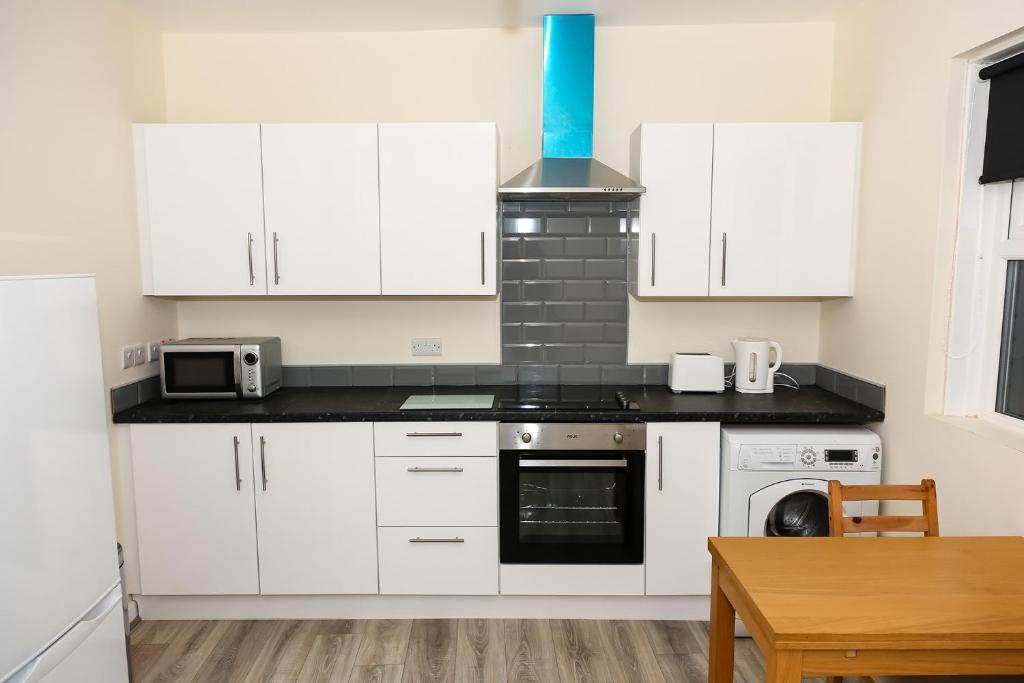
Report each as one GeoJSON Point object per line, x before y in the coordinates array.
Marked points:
{"type": "Point", "coordinates": [152, 351]}
{"type": "Point", "coordinates": [139, 351]}
{"type": "Point", "coordinates": [426, 347]}
{"type": "Point", "coordinates": [127, 357]}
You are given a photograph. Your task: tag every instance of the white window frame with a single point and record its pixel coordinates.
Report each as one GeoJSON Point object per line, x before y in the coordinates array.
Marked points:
{"type": "Point", "coordinates": [987, 216]}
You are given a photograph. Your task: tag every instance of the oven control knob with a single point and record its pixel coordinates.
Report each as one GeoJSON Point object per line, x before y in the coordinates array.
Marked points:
{"type": "Point", "coordinates": [527, 437]}
{"type": "Point", "coordinates": [617, 437]}
{"type": "Point", "coordinates": [251, 387]}
{"type": "Point", "coordinates": [250, 358]}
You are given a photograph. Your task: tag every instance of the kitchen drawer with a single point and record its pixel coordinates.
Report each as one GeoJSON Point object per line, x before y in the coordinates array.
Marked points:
{"type": "Point", "coordinates": [437, 563]}
{"type": "Point", "coordinates": [437, 491]}
{"type": "Point", "coordinates": [417, 439]}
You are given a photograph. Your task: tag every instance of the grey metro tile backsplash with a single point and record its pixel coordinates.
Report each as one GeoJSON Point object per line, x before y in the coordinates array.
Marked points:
{"type": "Point", "coordinates": [564, 288]}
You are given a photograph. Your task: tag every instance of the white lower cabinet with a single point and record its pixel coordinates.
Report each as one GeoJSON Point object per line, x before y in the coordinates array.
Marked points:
{"type": "Point", "coordinates": [682, 506]}
{"type": "Point", "coordinates": [194, 507]}
{"type": "Point", "coordinates": [201, 492]}
{"type": "Point", "coordinates": [437, 491]}
{"type": "Point", "coordinates": [438, 560]}
{"type": "Point", "coordinates": [315, 508]}
{"type": "Point", "coordinates": [437, 507]}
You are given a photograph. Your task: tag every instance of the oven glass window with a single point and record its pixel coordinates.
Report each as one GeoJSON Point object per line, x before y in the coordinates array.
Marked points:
{"type": "Point", "coordinates": [572, 507]}
{"type": "Point", "coordinates": [205, 372]}
{"type": "Point", "coordinates": [588, 510]}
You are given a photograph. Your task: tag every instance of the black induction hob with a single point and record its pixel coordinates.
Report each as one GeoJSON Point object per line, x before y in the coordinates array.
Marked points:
{"type": "Point", "coordinates": [569, 401]}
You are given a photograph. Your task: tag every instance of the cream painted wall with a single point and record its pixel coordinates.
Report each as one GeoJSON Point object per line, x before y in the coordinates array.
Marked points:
{"type": "Point", "coordinates": [663, 327]}
{"type": "Point", "coordinates": [73, 76]}
{"type": "Point", "coordinates": [896, 69]}
{"type": "Point", "coordinates": [319, 332]}
{"type": "Point", "coordinates": [771, 72]}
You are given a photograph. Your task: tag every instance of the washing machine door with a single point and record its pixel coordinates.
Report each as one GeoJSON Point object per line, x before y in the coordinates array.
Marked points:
{"type": "Point", "coordinates": [795, 507]}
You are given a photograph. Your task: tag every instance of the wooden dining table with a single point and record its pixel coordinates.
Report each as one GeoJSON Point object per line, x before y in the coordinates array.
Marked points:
{"type": "Point", "coordinates": [861, 606]}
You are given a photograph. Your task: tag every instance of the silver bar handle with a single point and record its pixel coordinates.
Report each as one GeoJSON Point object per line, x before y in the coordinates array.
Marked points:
{"type": "Point", "coordinates": [238, 475]}
{"type": "Point", "coordinates": [483, 260]}
{"type": "Point", "coordinates": [433, 433]}
{"type": "Point", "coordinates": [576, 464]}
{"type": "Point", "coordinates": [454, 539]}
{"type": "Point", "coordinates": [661, 462]}
{"type": "Point", "coordinates": [263, 461]}
{"type": "Point", "coordinates": [725, 251]}
{"type": "Point", "coordinates": [434, 469]}
{"type": "Point", "coordinates": [277, 272]}
{"type": "Point", "coordinates": [654, 255]}
{"type": "Point", "coordinates": [252, 272]}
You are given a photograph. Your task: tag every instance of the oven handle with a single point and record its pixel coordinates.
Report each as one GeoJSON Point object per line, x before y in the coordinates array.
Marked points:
{"type": "Point", "coordinates": [621, 463]}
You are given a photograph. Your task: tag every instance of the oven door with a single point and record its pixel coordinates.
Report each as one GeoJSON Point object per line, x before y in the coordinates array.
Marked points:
{"type": "Point", "coordinates": [202, 371]}
{"type": "Point", "coordinates": [572, 507]}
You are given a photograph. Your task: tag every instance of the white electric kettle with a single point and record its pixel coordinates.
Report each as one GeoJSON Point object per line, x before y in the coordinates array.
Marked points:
{"type": "Point", "coordinates": [755, 373]}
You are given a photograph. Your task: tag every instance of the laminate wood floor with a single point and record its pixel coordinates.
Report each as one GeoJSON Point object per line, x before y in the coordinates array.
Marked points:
{"type": "Point", "coordinates": [431, 650]}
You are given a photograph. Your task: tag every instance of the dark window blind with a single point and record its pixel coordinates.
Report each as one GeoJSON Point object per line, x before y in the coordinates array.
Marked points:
{"type": "Point", "coordinates": [1004, 135]}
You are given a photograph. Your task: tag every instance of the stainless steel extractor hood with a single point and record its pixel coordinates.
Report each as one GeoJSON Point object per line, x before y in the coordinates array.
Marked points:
{"type": "Point", "coordinates": [567, 169]}
{"type": "Point", "coordinates": [570, 178]}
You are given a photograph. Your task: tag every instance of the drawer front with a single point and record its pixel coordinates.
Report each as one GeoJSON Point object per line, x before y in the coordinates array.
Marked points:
{"type": "Point", "coordinates": [437, 491]}
{"type": "Point", "coordinates": [438, 560]}
{"type": "Point", "coordinates": [424, 439]}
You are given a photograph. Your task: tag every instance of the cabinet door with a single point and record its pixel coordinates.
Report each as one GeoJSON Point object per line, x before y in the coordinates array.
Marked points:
{"type": "Point", "coordinates": [200, 200]}
{"type": "Point", "coordinates": [438, 208]}
{"type": "Point", "coordinates": [675, 212]}
{"type": "Point", "coordinates": [315, 508]}
{"type": "Point", "coordinates": [784, 202]}
{"type": "Point", "coordinates": [194, 504]}
{"type": "Point", "coordinates": [682, 506]}
{"type": "Point", "coordinates": [320, 202]}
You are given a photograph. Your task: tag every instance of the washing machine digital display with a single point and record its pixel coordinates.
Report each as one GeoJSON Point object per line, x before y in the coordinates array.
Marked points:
{"type": "Point", "coordinates": [845, 455]}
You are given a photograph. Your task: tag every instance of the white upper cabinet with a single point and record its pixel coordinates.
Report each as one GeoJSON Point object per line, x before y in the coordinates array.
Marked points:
{"type": "Point", "coordinates": [784, 202]}
{"type": "Point", "coordinates": [746, 209]}
{"type": "Point", "coordinates": [315, 508]}
{"type": "Point", "coordinates": [438, 208]}
{"type": "Point", "coordinates": [200, 204]}
{"type": "Point", "coordinates": [682, 476]}
{"type": "Point", "coordinates": [673, 161]}
{"type": "Point", "coordinates": [322, 214]}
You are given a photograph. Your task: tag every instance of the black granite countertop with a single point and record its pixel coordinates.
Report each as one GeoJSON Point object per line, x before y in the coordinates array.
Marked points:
{"type": "Point", "coordinates": [809, 404]}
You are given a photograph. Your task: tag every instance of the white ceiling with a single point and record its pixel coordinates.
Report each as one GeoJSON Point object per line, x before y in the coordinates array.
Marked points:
{"type": "Point", "coordinates": [399, 15]}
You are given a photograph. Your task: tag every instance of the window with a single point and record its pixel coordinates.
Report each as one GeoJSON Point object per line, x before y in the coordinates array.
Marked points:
{"type": "Point", "coordinates": [985, 352]}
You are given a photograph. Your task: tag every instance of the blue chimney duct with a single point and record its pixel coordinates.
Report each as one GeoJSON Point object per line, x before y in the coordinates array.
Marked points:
{"type": "Point", "coordinates": [568, 85]}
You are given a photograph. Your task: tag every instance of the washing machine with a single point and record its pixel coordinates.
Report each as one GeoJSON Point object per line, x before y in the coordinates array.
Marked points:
{"type": "Point", "coordinates": [775, 478]}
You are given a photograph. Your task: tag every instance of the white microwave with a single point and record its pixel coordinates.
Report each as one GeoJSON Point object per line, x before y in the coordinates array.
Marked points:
{"type": "Point", "coordinates": [224, 367]}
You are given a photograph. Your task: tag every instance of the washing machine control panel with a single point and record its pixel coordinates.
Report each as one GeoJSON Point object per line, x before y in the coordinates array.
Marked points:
{"type": "Point", "coordinates": [831, 458]}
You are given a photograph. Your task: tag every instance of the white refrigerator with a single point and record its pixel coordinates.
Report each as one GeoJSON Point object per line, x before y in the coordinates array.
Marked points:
{"type": "Point", "coordinates": [60, 594]}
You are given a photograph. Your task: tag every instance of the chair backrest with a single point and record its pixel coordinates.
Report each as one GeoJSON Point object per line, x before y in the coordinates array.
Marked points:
{"type": "Point", "coordinates": [927, 522]}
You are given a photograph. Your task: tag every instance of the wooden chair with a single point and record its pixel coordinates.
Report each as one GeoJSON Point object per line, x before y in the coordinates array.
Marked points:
{"type": "Point", "coordinates": [927, 522]}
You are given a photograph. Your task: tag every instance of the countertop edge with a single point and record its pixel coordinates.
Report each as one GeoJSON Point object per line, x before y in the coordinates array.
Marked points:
{"type": "Point", "coordinates": [820, 407]}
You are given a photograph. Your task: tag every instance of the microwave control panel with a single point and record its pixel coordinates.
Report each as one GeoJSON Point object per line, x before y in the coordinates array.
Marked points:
{"type": "Point", "coordinates": [251, 381]}
{"type": "Point", "coordinates": [818, 458]}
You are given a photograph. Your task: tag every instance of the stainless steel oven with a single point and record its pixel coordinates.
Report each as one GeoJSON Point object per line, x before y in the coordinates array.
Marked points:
{"type": "Point", "coordinates": [571, 493]}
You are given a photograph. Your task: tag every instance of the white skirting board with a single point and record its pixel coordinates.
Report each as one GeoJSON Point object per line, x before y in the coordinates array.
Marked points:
{"type": "Point", "coordinates": [683, 607]}
{"type": "Point", "coordinates": [572, 579]}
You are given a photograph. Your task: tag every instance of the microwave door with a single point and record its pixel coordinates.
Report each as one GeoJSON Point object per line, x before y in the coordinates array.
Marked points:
{"type": "Point", "coordinates": [207, 371]}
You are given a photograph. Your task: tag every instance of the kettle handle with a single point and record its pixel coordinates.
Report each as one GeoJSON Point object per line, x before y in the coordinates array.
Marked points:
{"type": "Point", "coordinates": [773, 368]}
